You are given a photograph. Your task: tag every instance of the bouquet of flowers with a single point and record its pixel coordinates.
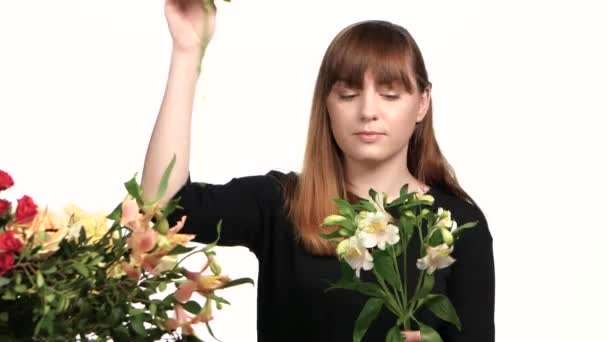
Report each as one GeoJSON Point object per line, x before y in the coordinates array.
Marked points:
{"type": "Point", "coordinates": [368, 237]}
{"type": "Point", "coordinates": [77, 276]}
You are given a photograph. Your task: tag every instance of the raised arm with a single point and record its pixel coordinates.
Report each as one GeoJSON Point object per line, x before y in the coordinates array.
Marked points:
{"type": "Point", "coordinates": [192, 25]}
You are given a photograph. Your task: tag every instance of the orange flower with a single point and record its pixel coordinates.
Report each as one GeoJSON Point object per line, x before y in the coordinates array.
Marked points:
{"type": "Point", "coordinates": [48, 230]}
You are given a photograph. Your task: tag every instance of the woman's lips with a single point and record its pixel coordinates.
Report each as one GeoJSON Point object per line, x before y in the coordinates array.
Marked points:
{"type": "Point", "coordinates": [369, 137]}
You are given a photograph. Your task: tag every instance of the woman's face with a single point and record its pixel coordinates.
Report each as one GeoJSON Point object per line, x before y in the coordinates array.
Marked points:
{"type": "Point", "coordinates": [374, 124]}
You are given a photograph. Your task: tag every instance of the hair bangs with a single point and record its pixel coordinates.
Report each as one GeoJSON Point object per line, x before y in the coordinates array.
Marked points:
{"type": "Point", "coordinates": [379, 49]}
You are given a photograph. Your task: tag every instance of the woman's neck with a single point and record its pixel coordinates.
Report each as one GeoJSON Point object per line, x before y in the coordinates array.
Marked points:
{"type": "Point", "coordinates": [387, 177]}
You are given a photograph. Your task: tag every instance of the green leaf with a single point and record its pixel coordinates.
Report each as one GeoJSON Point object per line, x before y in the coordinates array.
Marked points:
{"type": "Point", "coordinates": [179, 249]}
{"type": "Point", "coordinates": [3, 316]}
{"type": "Point", "coordinates": [456, 233]}
{"type": "Point", "coordinates": [116, 213]}
{"type": "Point", "coordinates": [162, 286]}
{"type": "Point", "coordinates": [408, 227]}
{"type": "Point", "coordinates": [347, 212]}
{"type": "Point", "coordinates": [4, 281]}
{"type": "Point", "coordinates": [80, 268]}
{"type": "Point", "coordinates": [9, 295]}
{"type": "Point", "coordinates": [39, 279]}
{"type": "Point", "coordinates": [134, 190]}
{"type": "Point", "coordinates": [369, 289]}
{"type": "Point", "coordinates": [383, 264]}
{"type": "Point", "coordinates": [50, 270]}
{"type": "Point", "coordinates": [136, 312]}
{"type": "Point", "coordinates": [20, 288]}
{"type": "Point", "coordinates": [237, 282]}
{"type": "Point", "coordinates": [192, 307]}
{"type": "Point", "coordinates": [137, 323]}
{"type": "Point", "coordinates": [441, 306]}
{"type": "Point", "coordinates": [394, 335]}
{"type": "Point", "coordinates": [162, 188]}
{"type": "Point", "coordinates": [367, 206]}
{"type": "Point", "coordinates": [347, 275]}
{"type": "Point", "coordinates": [427, 285]}
{"type": "Point", "coordinates": [428, 334]}
{"type": "Point", "coordinates": [435, 238]}
{"type": "Point", "coordinates": [211, 331]}
{"type": "Point", "coordinates": [368, 314]}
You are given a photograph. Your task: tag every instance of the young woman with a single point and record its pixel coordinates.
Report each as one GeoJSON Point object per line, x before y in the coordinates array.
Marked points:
{"type": "Point", "coordinates": [370, 127]}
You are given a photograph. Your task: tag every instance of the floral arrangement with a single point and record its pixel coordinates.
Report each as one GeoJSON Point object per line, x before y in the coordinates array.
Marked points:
{"type": "Point", "coordinates": [369, 238]}
{"type": "Point", "coordinates": [77, 276]}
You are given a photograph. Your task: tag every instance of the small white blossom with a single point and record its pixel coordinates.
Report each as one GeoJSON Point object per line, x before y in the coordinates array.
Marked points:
{"type": "Point", "coordinates": [357, 256]}
{"type": "Point", "coordinates": [437, 257]}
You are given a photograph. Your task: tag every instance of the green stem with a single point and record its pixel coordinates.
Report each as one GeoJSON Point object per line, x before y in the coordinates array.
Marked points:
{"type": "Point", "coordinates": [388, 303]}
{"type": "Point", "coordinates": [404, 243]}
{"type": "Point", "coordinates": [402, 301]}
{"type": "Point", "coordinates": [184, 258]}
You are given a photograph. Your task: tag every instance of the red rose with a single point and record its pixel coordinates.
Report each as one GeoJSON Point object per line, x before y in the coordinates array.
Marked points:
{"type": "Point", "coordinates": [4, 207]}
{"type": "Point", "coordinates": [5, 180]}
{"type": "Point", "coordinates": [8, 243]}
{"type": "Point", "coordinates": [26, 209]}
{"type": "Point", "coordinates": [7, 260]}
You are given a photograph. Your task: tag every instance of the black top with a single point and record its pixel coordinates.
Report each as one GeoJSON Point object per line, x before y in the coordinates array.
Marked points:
{"type": "Point", "coordinates": [292, 304]}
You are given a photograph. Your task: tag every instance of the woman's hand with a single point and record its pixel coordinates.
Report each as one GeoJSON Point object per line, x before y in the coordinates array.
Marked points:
{"type": "Point", "coordinates": [191, 23]}
{"type": "Point", "coordinates": [412, 336]}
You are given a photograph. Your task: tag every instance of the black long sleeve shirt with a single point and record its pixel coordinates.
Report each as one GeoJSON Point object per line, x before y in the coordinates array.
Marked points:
{"type": "Point", "coordinates": [292, 304]}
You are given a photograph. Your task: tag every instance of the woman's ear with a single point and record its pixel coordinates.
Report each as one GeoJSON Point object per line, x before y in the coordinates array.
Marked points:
{"type": "Point", "coordinates": [425, 102]}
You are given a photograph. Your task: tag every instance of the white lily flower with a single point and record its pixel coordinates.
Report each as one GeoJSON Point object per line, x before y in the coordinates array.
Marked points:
{"type": "Point", "coordinates": [357, 256]}
{"type": "Point", "coordinates": [436, 258]}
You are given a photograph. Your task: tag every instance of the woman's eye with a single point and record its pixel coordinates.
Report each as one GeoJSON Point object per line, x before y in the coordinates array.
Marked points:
{"type": "Point", "coordinates": [347, 97]}
{"type": "Point", "coordinates": [391, 97]}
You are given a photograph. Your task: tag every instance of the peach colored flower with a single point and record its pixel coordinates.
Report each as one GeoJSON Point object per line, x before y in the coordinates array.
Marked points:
{"type": "Point", "coordinates": [48, 229]}
{"type": "Point", "coordinates": [130, 212]}
{"type": "Point", "coordinates": [142, 240]}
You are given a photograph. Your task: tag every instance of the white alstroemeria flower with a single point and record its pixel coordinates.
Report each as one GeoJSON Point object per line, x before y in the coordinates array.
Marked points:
{"type": "Point", "coordinates": [375, 228]}
{"type": "Point", "coordinates": [445, 219]}
{"type": "Point", "coordinates": [436, 258]}
{"type": "Point", "coordinates": [357, 256]}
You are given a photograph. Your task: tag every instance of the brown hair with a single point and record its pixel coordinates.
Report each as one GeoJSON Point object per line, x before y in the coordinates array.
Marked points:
{"type": "Point", "coordinates": [391, 54]}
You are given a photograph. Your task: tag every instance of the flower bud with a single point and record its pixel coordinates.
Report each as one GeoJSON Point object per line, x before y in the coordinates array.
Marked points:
{"type": "Point", "coordinates": [427, 198]}
{"type": "Point", "coordinates": [333, 220]}
{"type": "Point", "coordinates": [448, 238]}
{"type": "Point", "coordinates": [215, 267]}
{"type": "Point", "coordinates": [342, 247]}
{"type": "Point", "coordinates": [163, 227]}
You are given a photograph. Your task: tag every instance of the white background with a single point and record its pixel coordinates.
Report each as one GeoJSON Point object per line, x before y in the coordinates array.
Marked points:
{"type": "Point", "coordinates": [520, 112]}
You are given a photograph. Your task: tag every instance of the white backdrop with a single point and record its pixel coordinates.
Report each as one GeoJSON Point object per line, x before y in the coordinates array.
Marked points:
{"type": "Point", "coordinates": [520, 113]}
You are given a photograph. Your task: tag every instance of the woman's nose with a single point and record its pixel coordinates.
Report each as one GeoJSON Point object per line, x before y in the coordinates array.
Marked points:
{"type": "Point", "coordinates": [369, 108]}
